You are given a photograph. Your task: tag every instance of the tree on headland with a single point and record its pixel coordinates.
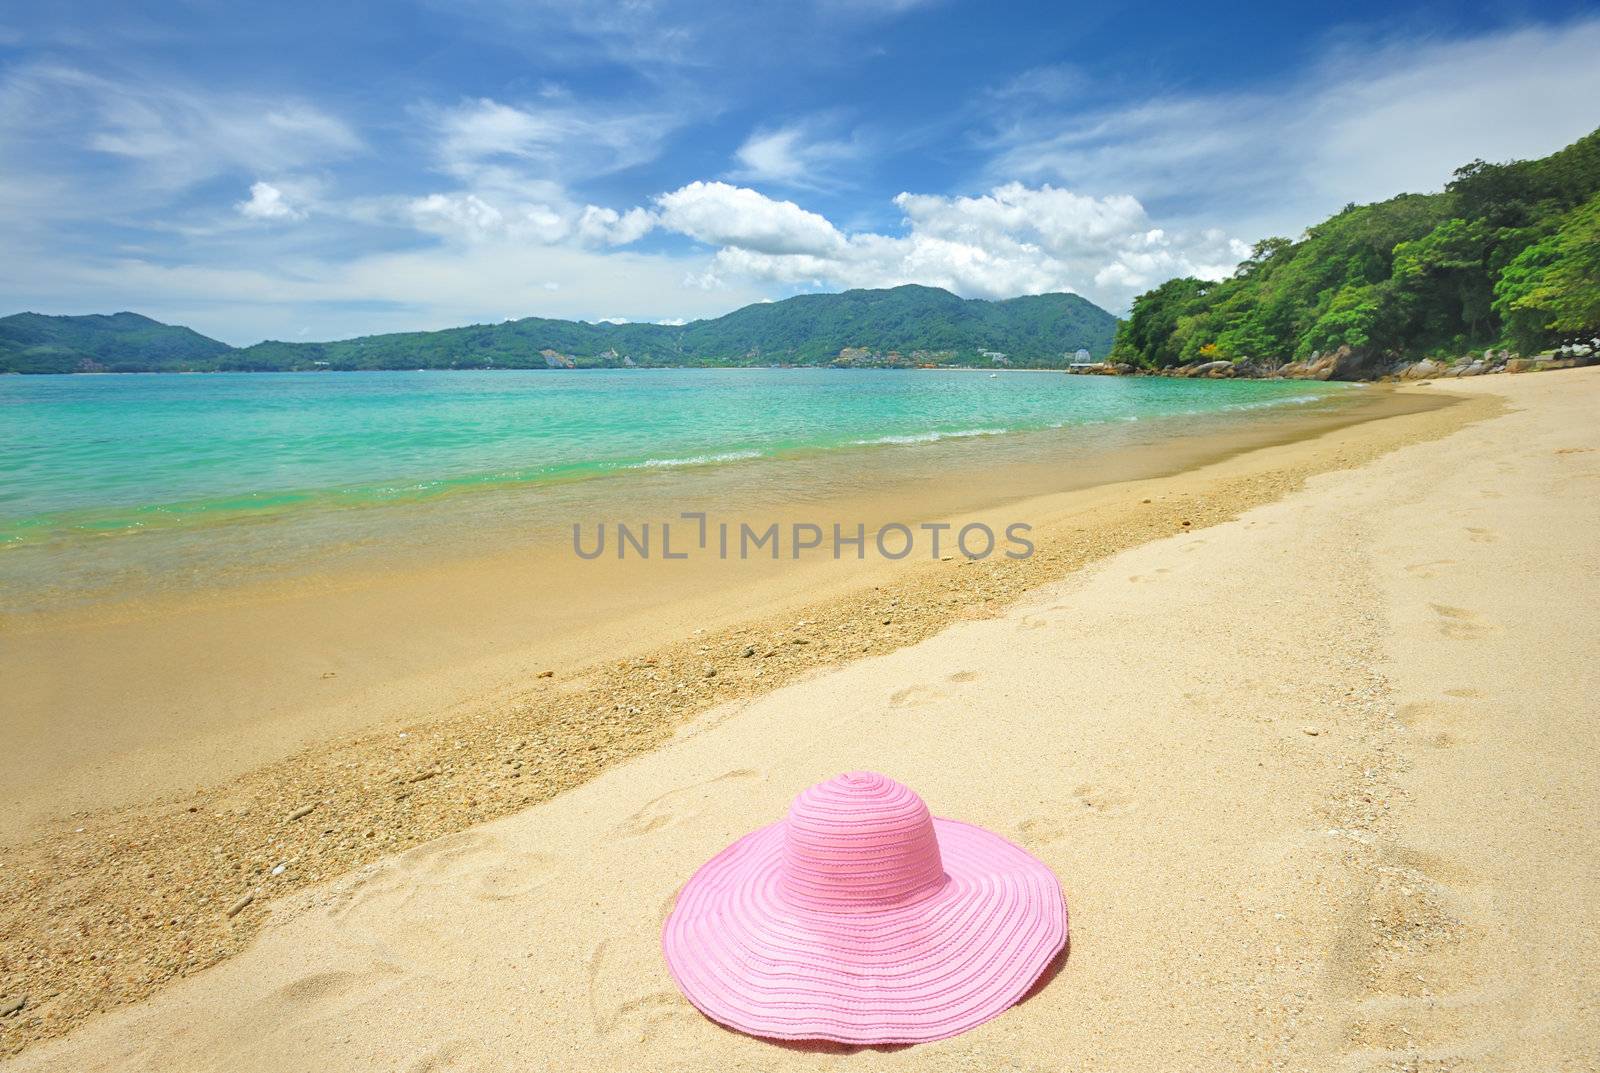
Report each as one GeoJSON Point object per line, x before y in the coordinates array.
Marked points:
{"type": "Point", "coordinates": [1505, 255]}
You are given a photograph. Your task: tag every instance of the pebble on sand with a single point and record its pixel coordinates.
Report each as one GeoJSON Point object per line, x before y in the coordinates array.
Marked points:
{"type": "Point", "coordinates": [237, 907]}
{"type": "Point", "coordinates": [301, 812]}
{"type": "Point", "coordinates": [12, 1004]}
{"type": "Point", "coordinates": [1311, 731]}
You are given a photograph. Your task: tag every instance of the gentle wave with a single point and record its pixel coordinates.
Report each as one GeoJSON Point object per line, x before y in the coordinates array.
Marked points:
{"type": "Point", "coordinates": [1267, 404]}
{"type": "Point", "coordinates": [929, 437]}
{"type": "Point", "coordinates": [694, 460]}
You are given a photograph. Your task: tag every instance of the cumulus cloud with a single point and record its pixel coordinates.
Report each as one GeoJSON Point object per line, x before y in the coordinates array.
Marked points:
{"type": "Point", "coordinates": [722, 215]}
{"type": "Point", "coordinates": [266, 202]}
{"type": "Point", "coordinates": [513, 166]}
{"type": "Point", "coordinates": [1013, 240]}
{"type": "Point", "coordinates": [471, 217]}
{"type": "Point", "coordinates": [607, 227]}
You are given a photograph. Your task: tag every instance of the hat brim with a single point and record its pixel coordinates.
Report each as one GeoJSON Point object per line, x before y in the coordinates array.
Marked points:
{"type": "Point", "coordinates": [908, 974]}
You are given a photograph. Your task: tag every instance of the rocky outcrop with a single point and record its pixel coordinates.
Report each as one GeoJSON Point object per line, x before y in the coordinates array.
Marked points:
{"type": "Point", "coordinates": [1346, 363]}
{"type": "Point", "coordinates": [1423, 370]}
{"type": "Point", "coordinates": [1354, 363]}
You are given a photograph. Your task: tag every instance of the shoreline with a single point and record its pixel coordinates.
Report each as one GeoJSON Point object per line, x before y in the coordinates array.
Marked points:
{"type": "Point", "coordinates": [460, 613]}
{"type": "Point", "coordinates": [1269, 760]}
{"type": "Point", "coordinates": [78, 527]}
{"type": "Point", "coordinates": [377, 792]}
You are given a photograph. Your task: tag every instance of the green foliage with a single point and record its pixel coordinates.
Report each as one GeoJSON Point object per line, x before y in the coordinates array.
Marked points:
{"type": "Point", "coordinates": [915, 323]}
{"type": "Point", "coordinates": [1504, 253]}
{"type": "Point", "coordinates": [1552, 288]}
{"type": "Point", "coordinates": [120, 342]}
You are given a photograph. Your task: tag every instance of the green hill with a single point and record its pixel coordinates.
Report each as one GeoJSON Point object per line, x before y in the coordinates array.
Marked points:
{"type": "Point", "coordinates": [901, 326]}
{"type": "Point", "coordinates": [1507, 256]}
{"type": "Point", "coordinates": [120, 342]}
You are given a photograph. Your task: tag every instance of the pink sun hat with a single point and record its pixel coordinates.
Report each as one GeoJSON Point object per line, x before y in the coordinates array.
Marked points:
{"type": "Point", "coordinates": [861, 918]}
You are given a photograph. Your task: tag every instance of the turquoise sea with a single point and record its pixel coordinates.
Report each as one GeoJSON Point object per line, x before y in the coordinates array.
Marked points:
{"type": "Point", "coordinates": [85, 456]}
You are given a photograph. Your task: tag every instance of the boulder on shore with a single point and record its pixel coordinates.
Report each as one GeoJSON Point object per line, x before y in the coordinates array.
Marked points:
{"type": "Point", "coordinates": [1423, 370]}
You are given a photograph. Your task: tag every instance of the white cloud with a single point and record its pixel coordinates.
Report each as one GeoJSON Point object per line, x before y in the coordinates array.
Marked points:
{"type": "Point", "coordinates": [1369, 120]}
{"type": "Point", "coordinates": [1012, 240]}
{"type": "Point", "coordinates": [794, 155]}
{"type": "Point", "coordinates": [607, 227]}
{"type": "Point", "coordinates": [457, 215]}
{"type": "Point", "coordinates": [337, 297]}
{"type": "Point", "coordinates": [496, 216]}
{"type": "Point", "coordinates": [722, 215]}
{"type": "Point", "coordinates": [267, 202]}
{"type": "Point", "coordinates": [513, 166]}
{"type": "Point", "coordinates": [552, 140]}
{"type": "Point", "coordinates": [159, 138]}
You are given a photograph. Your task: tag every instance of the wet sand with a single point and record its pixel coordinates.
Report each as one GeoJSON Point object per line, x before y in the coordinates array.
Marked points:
{"type": "Point", "coordinates": [1313, 770]}
{"type": "Point", "coordinates": [162, 691]}
{"type": "Point", "coordinates": [108, 907]}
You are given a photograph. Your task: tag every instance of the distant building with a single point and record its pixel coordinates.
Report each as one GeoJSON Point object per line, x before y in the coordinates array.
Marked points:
{"type": "Point", "coordinates": [1081, 356]}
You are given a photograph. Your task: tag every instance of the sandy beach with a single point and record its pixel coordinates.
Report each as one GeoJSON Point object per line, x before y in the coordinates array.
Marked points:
{"type": "Point", "coordinates": [195, 677]}
{"type": "Point", "coordinates": [1304, 731]}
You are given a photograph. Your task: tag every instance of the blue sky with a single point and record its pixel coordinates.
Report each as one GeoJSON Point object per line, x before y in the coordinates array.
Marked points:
{"type": "Point", "coordinates": [315, 171]}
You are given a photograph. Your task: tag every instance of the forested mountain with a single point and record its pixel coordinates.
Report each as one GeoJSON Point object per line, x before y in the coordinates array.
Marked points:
{"type": "Point", "coordinates": [1508, 255]}
{"type": "Point", "coordinates": [901, 326]}
{"type": "Point", "coordinates": [33, 343]}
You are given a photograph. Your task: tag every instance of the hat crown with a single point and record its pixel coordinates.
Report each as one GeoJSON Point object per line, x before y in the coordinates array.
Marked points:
{"type": "Point", "coordinates": [859, 841]}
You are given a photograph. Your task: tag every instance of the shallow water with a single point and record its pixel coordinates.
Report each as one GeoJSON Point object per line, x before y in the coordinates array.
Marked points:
{"type": "Point", "coordinates": [110, 483]}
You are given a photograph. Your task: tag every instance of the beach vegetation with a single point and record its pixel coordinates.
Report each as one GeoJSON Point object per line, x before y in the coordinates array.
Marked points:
{"type": "Point", "coordinates": [1507, 254]}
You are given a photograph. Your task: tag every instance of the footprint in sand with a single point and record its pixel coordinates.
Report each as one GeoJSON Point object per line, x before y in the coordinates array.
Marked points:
{"type": "Point", "coordinates": [1433, 716]}
{"type": "Point", "coordinates": [675, 805]}
{"type": "Point", "coordinates": [1460, 624]}
{"type": "Point", "coordinates": [1101, 801]}
{"type": "Point", "coordinates": [638, 1013]}
{"type": "Point", "coordinates": [1041, 831]}
{"type": "Point", "coordinates": [452, 1054]}
{"type": "Point", "coordinates": [1482, 536]}
{"type": "Point", "coordinates": [429, 866]}
{"type": "Point", "coordinates": [317, 989]}
{"type": "Point", "coordinates": [1401, 960]}
{"type": "Point", "coordinates": [1465, 694]}
{"type": "Point", "coordinates": [1154, 575]}
{"type": "Point", "coordinates": [1429, 569]}
{"type": "Point", "coordinates": [964, 676]}
{"type": "Point", "coordinates": [515, 876]}
{"type": "Point", "coordinates": [916, 697]}
{"type": "Point", "coordinates": [1414, 712]}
